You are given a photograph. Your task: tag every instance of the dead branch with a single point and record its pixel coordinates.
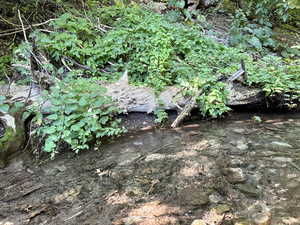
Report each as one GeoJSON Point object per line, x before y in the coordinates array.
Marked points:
{"type": "Point", "coordinates": [240, 72]}
{"type": "Point", "coordinates": [24, 32]}
{"type": "Point", "coordinates": [19, 30]}
{"type": "Point", "coordinates": [187, 109]}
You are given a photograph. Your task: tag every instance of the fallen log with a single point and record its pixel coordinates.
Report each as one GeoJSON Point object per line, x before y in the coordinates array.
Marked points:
{"type": "Point", "coordinates": [132, 98]}
{"type": "Point", "coordinates": [128, 97]}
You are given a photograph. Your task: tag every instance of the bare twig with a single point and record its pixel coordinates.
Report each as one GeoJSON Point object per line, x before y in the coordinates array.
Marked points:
{"type": "Point", "coordinates": [65, 64]}
{"type": "Point", "coordinates": [240, 72]}
{"type": "Point", "coordinates": [77, 64]}
{"type": "Point", "coordinates": [8, 22]}
{"type": "Point", "coordinates": [21, 65]}
{"type": "Point", "coordinates": [23, 28]}
{"type": "Point", "coordinates": [14, 32]}
{"type": "Point", "coordinates": [187, 109]}
{"type": "Point", "coordinates": [18, 30]}
{"type": "Point", "coordinates": [29, 94]}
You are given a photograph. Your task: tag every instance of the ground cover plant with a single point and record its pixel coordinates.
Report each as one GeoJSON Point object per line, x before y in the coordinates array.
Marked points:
{"type": "Point", "coordinates": [102, 43]}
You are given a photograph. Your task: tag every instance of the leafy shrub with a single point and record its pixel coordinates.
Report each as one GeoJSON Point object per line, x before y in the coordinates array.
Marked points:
{"type": "Point", "coordinates": [80, 114]}
{"type": "Point", "coordinates": [156, 53]}
{"type": "Point", "coordinates": [161, 116]}
{"type": "Point", "coordinates": [4, 66]}
{"type": "Point", "coordinates": [251, 36]}
{"type": "Point", "coordinates": [270, 10]}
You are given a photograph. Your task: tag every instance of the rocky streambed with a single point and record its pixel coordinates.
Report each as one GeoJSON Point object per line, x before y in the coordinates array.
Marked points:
{"type": "Point", "coordinates": [235, 171]}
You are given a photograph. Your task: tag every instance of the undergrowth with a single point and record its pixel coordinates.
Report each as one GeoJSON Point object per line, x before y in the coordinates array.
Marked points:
{"type": "Point", "coordinates": [156, 52]}
{"type": "Point", "coordinates": [80, 115]}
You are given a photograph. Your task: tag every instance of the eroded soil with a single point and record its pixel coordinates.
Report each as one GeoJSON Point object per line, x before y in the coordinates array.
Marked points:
{"type": "Point", "coordinates": [216, 171]}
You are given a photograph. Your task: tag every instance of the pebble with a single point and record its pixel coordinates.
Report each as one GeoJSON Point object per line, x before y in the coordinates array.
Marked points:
{"type": "Point", "coordinates": [282, 159]}
{"type": "Point", "coordinates": [235, 175]}
{"type": "Point", "coordinates": [249, 190]}
{"type": "Point", "coordinates": [133, 220]}
{"type": "Point", "coordinates": [221, 209]}
{"type": "Point", "coordinates": [239, 130]}
{"type": "Point", "coordinates": [242, 222]}
{"type": "Point", "coordinates": [242, 147]}
{"type": "Point", "coordinates": [215, 198]}
{"type": "Point", "coordinates": [198, 222]}
{"type": "Point", "coordinates": [236, 163]}
{"type": "Point", "coordinates": [281, 144]}
{"type": "Point", "coordinates": [262, 218]}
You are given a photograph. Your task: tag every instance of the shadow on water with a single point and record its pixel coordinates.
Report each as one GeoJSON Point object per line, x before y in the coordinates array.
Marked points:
{"type": "Point", "coordinates": [218, 171]}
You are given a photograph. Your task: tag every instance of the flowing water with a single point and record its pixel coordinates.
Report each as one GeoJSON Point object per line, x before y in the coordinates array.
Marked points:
{"type": "Point", "coordinates": [230, 171]}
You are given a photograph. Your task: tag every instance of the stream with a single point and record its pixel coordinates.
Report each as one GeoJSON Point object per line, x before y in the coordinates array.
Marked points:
{"type": "Point", "coordinates": [230, 171]}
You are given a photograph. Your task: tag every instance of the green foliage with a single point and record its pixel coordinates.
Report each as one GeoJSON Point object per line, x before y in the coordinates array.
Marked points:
{"type": "Point", "coordinates": [157, 53]}
{"type": "Point", "coordinates": [270, 10]}
{"type": "Point", "coordinates": [161, 116]}
{"type": "Point", "coordinates": [3, 105]}
{"type": "Point", "coordinates": [212, 101]}
{"type": "Point", "coordinates": [279, 78]}
{"type": "Point", "coordinates": [4, 66]}
{"type": "Point", "coordinates": [21, 58]}
{"type": "Point", "coordinates": [252, 36]}
{"type": "Point", "coordinates": [80, 114]}
{"type": "Point", "coordinates": [257, 119]}
{"type": "Point", "coordinates": [7, 106]}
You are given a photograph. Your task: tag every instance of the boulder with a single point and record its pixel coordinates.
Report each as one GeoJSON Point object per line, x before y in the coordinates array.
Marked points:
{"type": "Point", "coordinates": [12, 139]}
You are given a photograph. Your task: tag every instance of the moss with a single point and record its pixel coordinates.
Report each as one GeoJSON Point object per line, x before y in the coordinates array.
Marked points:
{"type": "Point", "coordinates": [10, 143]}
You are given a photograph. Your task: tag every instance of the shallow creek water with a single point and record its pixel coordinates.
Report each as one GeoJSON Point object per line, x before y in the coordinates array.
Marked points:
{"type": "Point", "coordinates": [231, 171]}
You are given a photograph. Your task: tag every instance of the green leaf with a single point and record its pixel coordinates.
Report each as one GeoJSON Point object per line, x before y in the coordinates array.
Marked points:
{"type": "Point", "coordinates": [82, 102]}
{"type": "Point", "coordinates": [255, 42]}
{"type": "Point", "coordinates": [4, 108]}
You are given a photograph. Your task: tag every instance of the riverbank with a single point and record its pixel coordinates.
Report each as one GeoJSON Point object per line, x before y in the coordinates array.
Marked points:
{"type": "Point", "coordinates": [223, 170]}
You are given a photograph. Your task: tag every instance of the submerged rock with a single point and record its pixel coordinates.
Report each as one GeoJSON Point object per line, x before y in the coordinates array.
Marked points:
{"type": "Point", "coordinates": [234, 175]}
{"type": "Point", "coordinates": [221, 209]}
{"type": "Point", "coordinates": [249, 190]}
{"type": "Point", "coordinates": [12, 139]}
{"type": "Point", "coordinates": [262, 218]}
{"type": "Point", "coordinates": [198, 222]}
{"type": "Point", "coordinates": [277, 144]}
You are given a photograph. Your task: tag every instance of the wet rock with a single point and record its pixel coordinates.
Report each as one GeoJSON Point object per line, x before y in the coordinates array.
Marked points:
{"type": "Point", "coordinates": [241, 221]}
{"type": "Point", "coordinates": [236, 163]}
{"type": "Point", "coordinates": [61, 168]}
{"type": "Point", "coordinates": [277, 144]}
{"type": "Point", "coordinates": [198, 222]}
{"type": "Point", "coordinates": [282, 159]}
{"type": "Point", "coordinates": [252, 167]}
{"type": "Point", "coordinates": [239, 130]}
{"type": "Point", "coordinates": [128, 157]}
{"type": "Point", "coordinates": [262, 218]}
{"type": "Point", "coordinates": [241, 145]}
{"type": "Point", "coordinates": [234, 175]}
{"type": "Point", "coordinates": [215, 198]}
{"type": "Point", "coordinates": [68, 195]}
{"type": "Point", "coordinates": [255, 178]}
{"type": "Point", "coordinates": [154, 157]}
{"type": "Point", "coordinates": [11, 141]}
{"type": "Point", "coordinates": [221, 209]}
{"type": "Point", "coordinates": [16, 165]}
{"type": "Point", "coordinates": [194, 196]}
{"type": "Point", "coordinates": [249, 190]}
{"type": "Point", "coordinates": [51, 171]}
{"type": "Point", "coordinates": [132, 220]}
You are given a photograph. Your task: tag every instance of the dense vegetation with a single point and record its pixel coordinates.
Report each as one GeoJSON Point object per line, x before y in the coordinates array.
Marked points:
{"type": "Point", "coordinates": [81, 46]}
